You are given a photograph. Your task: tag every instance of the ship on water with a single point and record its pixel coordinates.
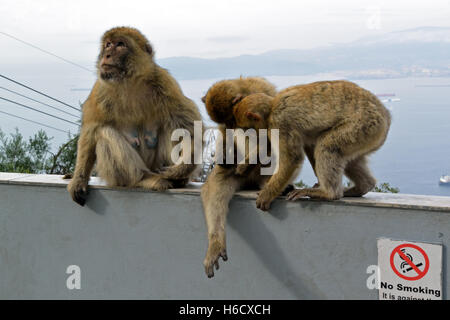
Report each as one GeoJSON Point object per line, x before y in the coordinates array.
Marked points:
{"type": "Point", "coordinates": [387, 97]}
{"type": "Point", "coordinates": [445, 180]}
{"type": "Point", "coordinates": [382, 95]}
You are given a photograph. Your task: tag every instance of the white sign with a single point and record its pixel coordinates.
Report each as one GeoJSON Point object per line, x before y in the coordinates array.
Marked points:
{"type": "Point", "coordinates": [409, 270]}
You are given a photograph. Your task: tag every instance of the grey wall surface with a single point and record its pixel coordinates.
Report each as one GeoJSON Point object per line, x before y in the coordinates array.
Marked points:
{"type": "Point", "coordinates": [147, 245]}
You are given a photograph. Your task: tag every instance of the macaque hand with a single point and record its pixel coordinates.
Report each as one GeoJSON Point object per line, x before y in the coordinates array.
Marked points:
{"type": "Point", "coordinates": [78, 190]}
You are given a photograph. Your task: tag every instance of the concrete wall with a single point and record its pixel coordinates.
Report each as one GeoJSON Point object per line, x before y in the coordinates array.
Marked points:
{"type": "Point", "coordinates": [148, 245]}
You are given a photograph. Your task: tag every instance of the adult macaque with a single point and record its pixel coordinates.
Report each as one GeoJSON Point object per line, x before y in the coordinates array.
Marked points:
{"type": "Point", "coordinates": [129, 117]}
{"type": "Point", "coordinates": [337, 123]}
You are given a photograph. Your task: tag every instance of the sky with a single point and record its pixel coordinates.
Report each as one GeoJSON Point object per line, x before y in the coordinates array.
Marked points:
{"type": "Point", "coordinates": [206, 28]}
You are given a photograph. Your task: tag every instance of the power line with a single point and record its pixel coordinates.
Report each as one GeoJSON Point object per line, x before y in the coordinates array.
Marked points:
{"type": "Point", "coordinates": [47, 52]}
{"type": "Point", "coordinates": [37, 110]}
{"type": "Point", "coordinates": [19, 94]}
{"type": "Point", "coordinates": [41, 93]}
{"type": "Point", "coordinates": [35, 122]}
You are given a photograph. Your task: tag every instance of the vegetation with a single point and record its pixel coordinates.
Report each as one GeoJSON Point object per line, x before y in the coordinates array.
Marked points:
{"type": "Point", "coordinates": [301, 185]}
{"type": "Point", "coordinates": [386, 188]}
{"type": "Point", "coordinates": [34, 155]}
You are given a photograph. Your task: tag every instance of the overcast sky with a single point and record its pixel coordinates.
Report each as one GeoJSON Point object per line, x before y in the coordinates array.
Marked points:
{"type": "Point", "coordinates": [206, 28]}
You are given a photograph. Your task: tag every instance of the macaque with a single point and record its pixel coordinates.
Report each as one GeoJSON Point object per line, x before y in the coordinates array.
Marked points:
{"type": "Point", "coordinates": [336, 123]}
{"type": "Point", "coordinates": [128, 120]}
{"type": "Point", "coordinates": [223, 95]}
{"type": "Point", "coordinates": [223, 181]}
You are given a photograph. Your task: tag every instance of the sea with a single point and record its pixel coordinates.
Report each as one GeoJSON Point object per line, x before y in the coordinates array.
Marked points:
{"type": "Point", "coordinates": [416, 153]}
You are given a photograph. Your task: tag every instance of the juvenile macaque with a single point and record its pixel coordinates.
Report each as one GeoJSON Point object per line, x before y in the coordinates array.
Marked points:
{"type": "Point", "coordinates": [129, 117]}
{"type": "Point", "coordinates": [336, 123]}
{"type": "Point", "coordinates": [251, 113]}
{"type": "Point", "coordinates": [223, 181]}
{"type": "Point", "coordinates": [223, 95]}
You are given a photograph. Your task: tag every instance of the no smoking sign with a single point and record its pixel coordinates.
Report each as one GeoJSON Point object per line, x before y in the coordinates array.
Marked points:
{"type": "Point", "coordinates": [409, 270]}
{"type": "Point", "coordinates": [409, 261]}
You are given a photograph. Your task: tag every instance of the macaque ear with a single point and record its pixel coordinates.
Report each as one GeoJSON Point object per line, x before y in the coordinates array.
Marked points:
{"type": "Point", "coordinates": [252, 116]}
{"type": "Point", "coordinates": [238, 98]}
{"type": "Point", "coordinates": [204, 99]}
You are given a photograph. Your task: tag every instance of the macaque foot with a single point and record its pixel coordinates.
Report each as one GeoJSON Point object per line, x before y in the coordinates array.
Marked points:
{"type": "Point", "coordinates": [264, 200]}
{"type": "Point", "coordinates": [216, 249]}
{"type": "Point", "coordinates": [78, 190]}
{"type": "Point", "coordinates": [353, 192]}
{"type": "Point", "coordinates": [297, 194]}
{"type": "Point", "coordinates": [313, 193]}
{"type": "Point", "coordinates": [155, 183]}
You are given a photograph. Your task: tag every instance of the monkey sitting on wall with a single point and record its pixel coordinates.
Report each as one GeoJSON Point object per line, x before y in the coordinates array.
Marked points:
{"type": "Point", "coordinates": [337, 123]}
{"type": "Point", "coordinates": [129, 117]}
{"type": "Point", "coordinates": [223, 181]}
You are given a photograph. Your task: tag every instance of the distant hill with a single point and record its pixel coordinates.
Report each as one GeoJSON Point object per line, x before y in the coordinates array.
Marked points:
{"type": "Point", "coordinates": [422, 51]}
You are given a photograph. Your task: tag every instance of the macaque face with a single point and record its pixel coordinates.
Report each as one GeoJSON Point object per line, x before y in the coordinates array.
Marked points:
{"type": "Point", "coordinates": [113, 59]}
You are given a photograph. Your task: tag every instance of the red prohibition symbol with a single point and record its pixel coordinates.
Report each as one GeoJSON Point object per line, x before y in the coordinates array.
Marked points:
{"type": "Point", "coordinates": [420, 273]}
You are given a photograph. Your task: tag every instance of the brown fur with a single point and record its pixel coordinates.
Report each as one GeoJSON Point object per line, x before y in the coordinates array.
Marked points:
{"type": "Point", "coordinates": [221, 97]}
{"type": "Point", "coordinates": [216, 194]}
{"type": "Point", "coordinates": [223, 181]}
{"type": "Point", "coordinates": [337, 123]}
{"type": "Point", "coordinates": [253, 111]}
{"type": "Point", "coordinates": [129, 117]}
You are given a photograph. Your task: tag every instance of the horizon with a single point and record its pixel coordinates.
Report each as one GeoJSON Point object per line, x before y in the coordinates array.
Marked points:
{"type": "Point", "coordinates": [318, 47]}
{"type": "Point", "coordinates": [26, 43]}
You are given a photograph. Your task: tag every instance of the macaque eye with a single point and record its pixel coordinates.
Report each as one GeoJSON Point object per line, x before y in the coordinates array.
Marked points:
{"type": "Point", "coordinates": [108, 44]}
{"type": "Point", "coordinates": [121, 44]}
